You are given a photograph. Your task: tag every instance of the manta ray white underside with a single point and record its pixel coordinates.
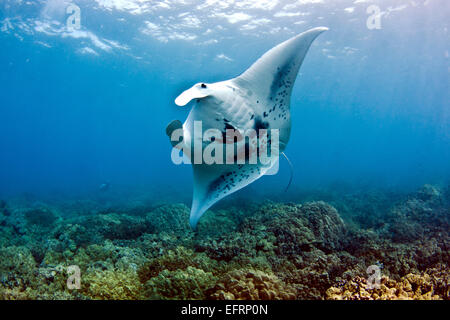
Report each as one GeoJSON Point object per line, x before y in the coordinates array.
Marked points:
{"type": "Point", "coordinates": [257, 99]}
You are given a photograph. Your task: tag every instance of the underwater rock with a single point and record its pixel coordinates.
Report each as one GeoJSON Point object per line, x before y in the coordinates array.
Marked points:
{"type": "Point", "coordinates": [191, 283]}
{"type": "Point", "coordinates": [446, 195]}
{"type": "Point", "coordinates": [299, 228]}
{"type": "Point", "coordinates": [278, 250]}
{"type": "Point", "coordinates": [2, 220]}
{"type": "Point", "coordinates": [16, 222]}
{"type": "Point", "coordinates": [4, 208]}
{"type": "Point", "coordinates": [73, 236]}
{"type": "Point", "coordinates": [109, 255]}
{"type": "Point", "coordinates": [38, 251]}
{"type": "Point", "coordinates": [170, 218]}
{"type": "Point", "coordinates": [218, 222]}
{"type": "Point", "coordinates": [416, 218]}
{"type": "Point", "coordinates": [288, 226]}
{"type": "Point", "coordinates": [43, 217]}
{"type": "Point", "coordinates": [17, 268]}
{"type": "Point", "coordinates": [178, 259]}
{"type": "Point", "coordinates": [117, 226]}
{"type": "Point", "coordinates": [326, 224]}
{"type": "Point", "coordinates": [49, 273]}
{"type": "Point", "coordinates": [429, 193]}
{"type": "Point", "coordinates": [112, 285]}
{"type": "Point", "coordinates": [225, 248]}
{"type": "Point", "coordinates": [249, 284]}
{"type": "Point", "coordinates": [366, 209]}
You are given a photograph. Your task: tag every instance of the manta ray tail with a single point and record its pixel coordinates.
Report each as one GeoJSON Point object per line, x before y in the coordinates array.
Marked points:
{"type": "Point", "coordinates": [291, 167]}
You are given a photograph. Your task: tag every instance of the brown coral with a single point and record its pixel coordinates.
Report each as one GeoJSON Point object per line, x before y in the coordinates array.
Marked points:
{"type": "Point", "coordinates": [410, 287]}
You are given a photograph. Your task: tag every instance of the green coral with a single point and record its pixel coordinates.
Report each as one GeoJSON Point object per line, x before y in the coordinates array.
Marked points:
{"type": "Point", "coordinates": [41, 216]}
{"type": "Point", "coordinates": [111, 285]}
{"type": "Point", "coordinates": [178, 259]}
{"type": "Point", "coordinates": [250, 284]}
{"type": "Point", "coordinates": [191, 283]}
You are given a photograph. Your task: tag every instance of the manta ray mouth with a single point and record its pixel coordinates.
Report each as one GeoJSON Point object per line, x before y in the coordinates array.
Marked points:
{"type": "Point", "coordinates": [232, 146]}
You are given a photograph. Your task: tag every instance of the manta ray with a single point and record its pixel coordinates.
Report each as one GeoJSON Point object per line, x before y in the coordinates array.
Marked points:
{"type": "Point", "coordinates": [257, 99]}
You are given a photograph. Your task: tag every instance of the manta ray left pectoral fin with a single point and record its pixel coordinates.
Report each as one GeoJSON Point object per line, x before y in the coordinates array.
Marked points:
{"type": "Point", "coordinates": [214, 182]}
{"type": "Point", "coordinates": [174, 131]}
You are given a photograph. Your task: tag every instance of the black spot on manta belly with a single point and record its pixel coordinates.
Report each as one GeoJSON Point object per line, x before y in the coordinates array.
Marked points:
{"type": "Point", "coordinates": [228, 126]}
{"type": "Point", "coordinates": [279, 80]}
{"type": "Point", "coordinates": [259, 124]}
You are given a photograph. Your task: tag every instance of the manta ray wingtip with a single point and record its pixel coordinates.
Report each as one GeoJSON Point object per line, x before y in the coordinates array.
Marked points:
{"type": "Point", "coordinates": [316, 31]}
{"type": "Point", "coordinates": [321, 29]}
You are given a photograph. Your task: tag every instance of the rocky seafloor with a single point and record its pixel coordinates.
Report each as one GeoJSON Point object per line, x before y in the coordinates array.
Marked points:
{"type": "Point", "coordinates": [308, 249]}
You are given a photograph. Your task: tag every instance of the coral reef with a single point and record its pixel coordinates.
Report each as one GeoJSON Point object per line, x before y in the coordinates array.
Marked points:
{"type": "Point", "coordinates": [430, 285]}
{"type": "Point", "coordinates": [112, 285]}
{"type": "Point", "coordinates": [190, 283]}
{"type": "Point", "coordinates": [304, 250]}
{"type": "Point", "coordinates": [248, 284]}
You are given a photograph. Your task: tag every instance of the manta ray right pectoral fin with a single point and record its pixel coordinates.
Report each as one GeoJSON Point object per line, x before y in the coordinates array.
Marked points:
{"type": "Point", "coordinates": [279, 66]}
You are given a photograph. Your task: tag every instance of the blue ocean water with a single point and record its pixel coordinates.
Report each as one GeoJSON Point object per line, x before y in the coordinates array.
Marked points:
{"type": "Point", "coordinates": [87, 105]}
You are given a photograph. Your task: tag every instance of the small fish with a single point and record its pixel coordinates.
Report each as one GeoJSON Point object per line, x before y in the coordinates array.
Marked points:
{"type": "Point", "coordinates": [104, 186]}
